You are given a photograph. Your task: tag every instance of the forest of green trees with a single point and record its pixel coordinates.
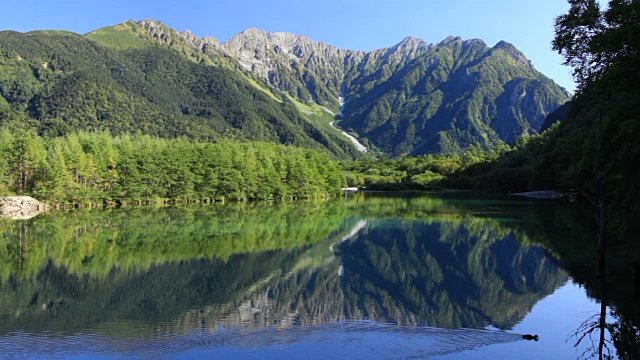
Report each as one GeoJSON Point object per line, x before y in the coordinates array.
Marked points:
{"type": "Point", "coordinates": [425, 172]}
{"type": "Point", "coordinates": [504, 168]}
{"type": "Point", "coordinates": [97, 168]}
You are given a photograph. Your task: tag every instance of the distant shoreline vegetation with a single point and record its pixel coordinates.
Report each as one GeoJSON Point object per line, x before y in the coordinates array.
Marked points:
{"type": "Point", "coordinates": [503, 168]}
{"type": "Point", "coordinates": [98, 168]}
{"type": "Point", "coordinates": [95, 169]}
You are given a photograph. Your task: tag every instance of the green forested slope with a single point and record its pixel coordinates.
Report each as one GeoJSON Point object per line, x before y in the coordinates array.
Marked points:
{"type": "Point", "coordinates": [60, 82]}
{"type": "Point", "coordinates": [457, 94]}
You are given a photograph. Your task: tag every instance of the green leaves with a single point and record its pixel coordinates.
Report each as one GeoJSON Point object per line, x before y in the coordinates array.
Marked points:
{"type": "Point", "coordinates": [574, 38]}
{"type": "Point", "coordinates": [595, 42]}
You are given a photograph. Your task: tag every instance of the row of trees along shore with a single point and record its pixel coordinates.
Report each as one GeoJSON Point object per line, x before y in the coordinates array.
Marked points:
{"type": "Point", "coordinates": [98, 168]}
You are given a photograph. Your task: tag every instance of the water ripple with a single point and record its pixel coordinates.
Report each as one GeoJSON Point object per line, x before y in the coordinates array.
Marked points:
{"type": "Point", "coordinates": [358, 339]}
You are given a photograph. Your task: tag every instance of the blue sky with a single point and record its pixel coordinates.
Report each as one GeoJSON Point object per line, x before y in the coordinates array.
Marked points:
{"type": "Point", "coordinates": [349, 24]}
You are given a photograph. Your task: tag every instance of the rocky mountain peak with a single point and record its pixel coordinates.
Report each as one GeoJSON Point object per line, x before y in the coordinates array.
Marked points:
{"type": "Point", "coordinates": [200, 43]}
{"type": "Point", "coordinates": [156, 29]}
{"type": "Point", "coordinates": [412, 41]}
{"type": "Point", "coordinates": [513, 51]}
{"type": "Point", "coordinates": [150, 24]}
{"type": "Point", "coordinates": [410, 46]}
{"type": "Point", "coordinates": [450, 39]}
{"type": "Point", "coordinates": [246, 38]}
{"type": "Point", "coordinates": [407, 49]}
{"type": "Point", "coordinates": [476, 41]}
{"type": "Point", "coordinates": [262, 52]}
{"type": "Point", "coordinates": [255, 39]}
{"type": "Point", "coordinates": [252, 31]}
{"type": "Point", "coordinates": [188, 35]}
{"type": "Point", "coordinates": [506, 46]}
{"type": "Point", "coordinates": [210, 40]}
{"type": "Point", "coordinates": [161, 32]}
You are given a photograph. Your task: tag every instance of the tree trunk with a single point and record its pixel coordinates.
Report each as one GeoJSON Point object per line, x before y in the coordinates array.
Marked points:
{"type": "Point", "coordinates": [603, 217]}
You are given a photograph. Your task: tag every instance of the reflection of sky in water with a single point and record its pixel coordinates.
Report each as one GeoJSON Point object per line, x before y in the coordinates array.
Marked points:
{"type": "Point", "coordinates": [552, 319]}
{"type": "Point", "coordinates": [356, 339]}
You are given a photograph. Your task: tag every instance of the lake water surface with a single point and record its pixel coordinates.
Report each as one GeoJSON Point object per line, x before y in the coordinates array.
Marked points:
{"type": "Point", "coordinates": [370, 276]}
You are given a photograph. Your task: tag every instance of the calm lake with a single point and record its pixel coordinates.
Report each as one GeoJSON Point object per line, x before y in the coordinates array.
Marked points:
{"type": "Point", "coordinates": [369, 276]}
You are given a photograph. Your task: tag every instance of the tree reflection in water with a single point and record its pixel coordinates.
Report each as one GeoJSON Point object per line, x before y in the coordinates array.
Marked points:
{"type": "Point", "coordinates": [597, 323]}
{"type": "Point", "coordinates": [619, 337]}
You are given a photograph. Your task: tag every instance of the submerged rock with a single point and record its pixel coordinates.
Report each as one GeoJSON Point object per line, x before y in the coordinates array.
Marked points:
{"type": "Point", "coordinates": [20, 207]}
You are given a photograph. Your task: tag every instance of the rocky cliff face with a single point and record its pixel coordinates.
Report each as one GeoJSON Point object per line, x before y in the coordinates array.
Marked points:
{"type": "Point", "coordinates": [315, 71]}
{"type": "Point", "coordinates": [204, 49]}
{"type": "Point", "coordinates": [306, 70]}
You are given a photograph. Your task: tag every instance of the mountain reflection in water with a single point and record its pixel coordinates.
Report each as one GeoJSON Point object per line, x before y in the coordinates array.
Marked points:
{"type": "Point", "coordinates": [416, 276]}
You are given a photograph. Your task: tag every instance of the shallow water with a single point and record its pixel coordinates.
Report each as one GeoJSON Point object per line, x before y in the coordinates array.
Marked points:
{"type": "Point", "coordinates": [370, 276]}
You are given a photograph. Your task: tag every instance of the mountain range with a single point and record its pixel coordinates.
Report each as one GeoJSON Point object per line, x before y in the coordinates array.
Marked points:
{"type": "Point", "coordinates": [411, 98]}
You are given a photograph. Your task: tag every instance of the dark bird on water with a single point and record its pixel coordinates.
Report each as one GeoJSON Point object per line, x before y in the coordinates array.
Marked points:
{"type": "Point", "coordinates": [530, 337]}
